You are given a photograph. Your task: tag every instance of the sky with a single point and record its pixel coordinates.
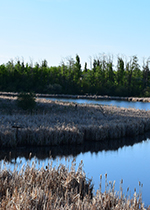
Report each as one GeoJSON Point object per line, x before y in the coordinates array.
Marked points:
{"type": "Point", "coordinates": [57, 30]}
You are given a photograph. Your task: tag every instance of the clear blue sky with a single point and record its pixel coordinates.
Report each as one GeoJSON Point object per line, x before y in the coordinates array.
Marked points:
{"type": "Point", "coordinates": [56, 29]}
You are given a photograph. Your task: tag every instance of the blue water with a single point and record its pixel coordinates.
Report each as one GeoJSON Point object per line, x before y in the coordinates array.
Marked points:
{"type": "Point", "coordinates": [126, 104]}
{"type": "Point", "coordinates": [130, 163]}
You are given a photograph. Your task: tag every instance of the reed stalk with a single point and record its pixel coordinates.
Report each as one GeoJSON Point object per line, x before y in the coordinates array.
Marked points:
{"type": "Point", "coordinates": [59, 187]}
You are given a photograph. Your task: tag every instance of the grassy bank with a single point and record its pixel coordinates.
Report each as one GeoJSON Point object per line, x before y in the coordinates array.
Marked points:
{"type": "Point", "coordinates": [60, 188]}
{"type": "Point", "coordinates": [55, 123]}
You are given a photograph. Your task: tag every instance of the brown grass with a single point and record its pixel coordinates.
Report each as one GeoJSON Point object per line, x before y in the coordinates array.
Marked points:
{"type": "Point", "coordinates": [59, 188]}
{"type": "Point", "coordinates": [55, 123]}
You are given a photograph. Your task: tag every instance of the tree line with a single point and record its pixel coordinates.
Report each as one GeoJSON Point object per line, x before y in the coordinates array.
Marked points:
{"type": "Point", "coordinates": [127, 78]}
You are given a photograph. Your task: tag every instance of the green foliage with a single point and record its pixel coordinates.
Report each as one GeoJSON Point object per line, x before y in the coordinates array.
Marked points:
{"type": "Point", "coordinates": [126, 79]}
{"type": "Point", "coordinates": [26, 101]}
{"type": "Point", "coordinates": [120, 71]}
{"type": "Point", "coordinates": [147, 92]}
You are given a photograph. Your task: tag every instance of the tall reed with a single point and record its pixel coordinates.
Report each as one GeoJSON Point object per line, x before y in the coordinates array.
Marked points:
{"type": "Point", "coordinates": [59, 187]}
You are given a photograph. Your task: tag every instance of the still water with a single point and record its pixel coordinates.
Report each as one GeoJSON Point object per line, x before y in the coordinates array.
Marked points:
{"type": "Point", "coordinates": [126, 104]}
{"type": "Point", "coordinates": [130, 162]}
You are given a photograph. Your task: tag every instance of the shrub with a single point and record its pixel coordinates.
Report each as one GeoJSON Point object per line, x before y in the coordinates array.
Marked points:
{"type": "Point", "coordinates": [26, 101]}
{"type": "Point", "coordinates": [54, 89]}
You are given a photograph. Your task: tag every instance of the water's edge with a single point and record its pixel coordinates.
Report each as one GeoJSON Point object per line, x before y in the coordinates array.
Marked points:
{"type": "Point", "coordinates": [44, 152]}
{"type": "Point", "coordinates": [95, 97]}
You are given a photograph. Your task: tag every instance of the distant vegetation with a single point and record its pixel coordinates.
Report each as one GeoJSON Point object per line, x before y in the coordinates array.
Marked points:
{"type": "Point", "coordinates": [127, 78]}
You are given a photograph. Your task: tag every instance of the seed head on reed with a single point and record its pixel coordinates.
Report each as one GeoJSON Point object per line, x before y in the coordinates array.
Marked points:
{"type": "Point", "coordinates": [57, 188]}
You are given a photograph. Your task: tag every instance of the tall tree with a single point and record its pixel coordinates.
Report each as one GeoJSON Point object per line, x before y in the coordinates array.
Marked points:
{"type": "Point", "coordinates": [77, 68]}
{"type": "Point", "coordinates": [120, 71]}
{"type": "Point", "coordinates": [146, 73]}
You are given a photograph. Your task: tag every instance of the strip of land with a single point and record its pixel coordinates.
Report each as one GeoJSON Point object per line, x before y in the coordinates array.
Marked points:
{"type": "Point", "coordinates": [57, 122]}
{"type": "Point", "coordinates": [88, 96]}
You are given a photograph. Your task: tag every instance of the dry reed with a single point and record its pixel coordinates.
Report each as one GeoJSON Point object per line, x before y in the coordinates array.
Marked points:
{"type": "Point", "coordinates": [56, 122]}
{"type": "Point", "coordinates": [59, 188]}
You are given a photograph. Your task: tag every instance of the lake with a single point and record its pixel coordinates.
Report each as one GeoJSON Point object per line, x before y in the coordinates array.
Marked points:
{"type": "Point", "coordinates": [129, 162]}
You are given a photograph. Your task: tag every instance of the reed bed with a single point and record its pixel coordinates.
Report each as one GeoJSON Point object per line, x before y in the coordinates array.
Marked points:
{"type": "Point", "coordinates": [60, 187]}
{"type": "Point", "coordinates": [56, 122]}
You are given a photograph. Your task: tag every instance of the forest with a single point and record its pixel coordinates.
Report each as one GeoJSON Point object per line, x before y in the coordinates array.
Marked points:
{"type": "Point", "coordinates": [126, 78]}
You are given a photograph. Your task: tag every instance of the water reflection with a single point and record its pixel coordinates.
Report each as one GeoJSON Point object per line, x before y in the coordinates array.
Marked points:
{"type": "Point", "coordinates": [68, 150]}
{"type": "Point", "coordinates": [129, 162]}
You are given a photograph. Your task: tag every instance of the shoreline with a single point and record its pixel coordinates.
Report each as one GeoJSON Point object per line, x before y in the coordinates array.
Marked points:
{"type": "Point", "coordinates": [94, 97]}
{"type": "Point", "coordinates": [65, 123]}
{"type": "Point", "coordinates": [69, 151]}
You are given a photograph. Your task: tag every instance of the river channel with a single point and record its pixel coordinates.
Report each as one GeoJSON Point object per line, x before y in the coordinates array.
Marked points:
{"type": "Point", "coordinates": [130, 162]}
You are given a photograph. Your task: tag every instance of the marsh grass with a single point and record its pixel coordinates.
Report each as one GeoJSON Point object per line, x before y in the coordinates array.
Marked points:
{"type": "Point", "coordinates": [56, 122]}
{"type": "Point", "coordinates": [60, 187]}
